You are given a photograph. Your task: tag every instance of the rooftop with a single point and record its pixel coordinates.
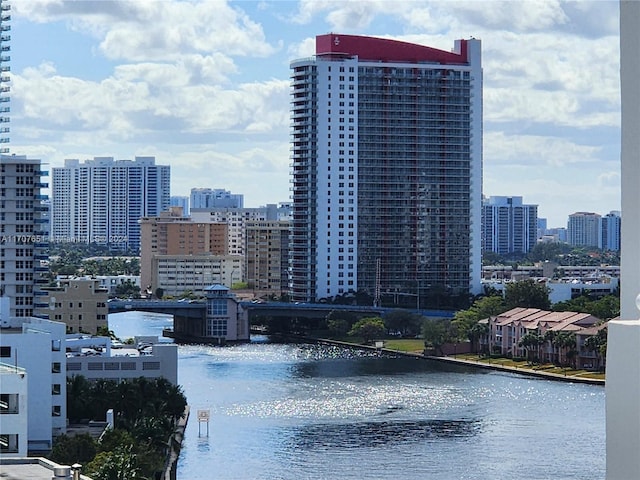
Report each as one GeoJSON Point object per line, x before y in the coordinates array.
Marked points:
{"type": "Point", "coordinates": [34, 469]}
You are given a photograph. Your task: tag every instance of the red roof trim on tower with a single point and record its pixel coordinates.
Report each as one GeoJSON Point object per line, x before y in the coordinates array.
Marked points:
{"type": "Point", "coordinates": [384, 50]}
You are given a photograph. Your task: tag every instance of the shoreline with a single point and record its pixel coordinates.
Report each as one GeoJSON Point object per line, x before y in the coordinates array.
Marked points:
{"type": "Point", "coordinates": [477, 364]}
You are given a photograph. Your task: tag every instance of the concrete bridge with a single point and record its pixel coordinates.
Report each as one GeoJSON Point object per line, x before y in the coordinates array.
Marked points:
{"type": "Point", "coordinates": [197, 309]}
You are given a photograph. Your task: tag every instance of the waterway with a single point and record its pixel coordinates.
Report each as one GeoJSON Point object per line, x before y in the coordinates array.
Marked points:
{"type": "Point", "coordinates": [293, 412]}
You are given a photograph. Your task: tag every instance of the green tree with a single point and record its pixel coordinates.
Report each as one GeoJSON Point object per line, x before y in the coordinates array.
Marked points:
{"type": "Point", "coordinates": [485, 307]}
{"type": "Point", "coordinates": [531, 341]}
{"type": "Point", "coordinates": [475, 333]}
{"type": "Point", "coordinates": [119, 464]}
{"type": "Point", "coordinates": [436, 332]}
{"type": "Point", "coordinates": [338, 326]}
{"type": "Point", "coordinates": [548, 251]}
{"type": "Point", "coordinates": [403, 321]}
{"type": "Point", "coordinates": [368, 328]}
{"type": "Point", "coordinates": [527, 294]}
{"type": "Point", "coordinates": [78, 400]}
{"type": "Point", "coordinates": [598, 344]}
{"type": "Point", "coordinates": [566, 345]}
{"type": "Point", "coordinates": [128, 289]}
{"type": "Point", "coordinates": [68, 450]}
{"type": "Point", "coordinates": [604, 308]}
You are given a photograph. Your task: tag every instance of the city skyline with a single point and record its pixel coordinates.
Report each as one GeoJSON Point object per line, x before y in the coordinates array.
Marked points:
{"type": "Point", "coordinates": [204, 87]}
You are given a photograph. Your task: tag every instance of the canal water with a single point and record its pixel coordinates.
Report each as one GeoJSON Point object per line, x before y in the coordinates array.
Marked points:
{"type": "Point", "coordinates": [292, 412]}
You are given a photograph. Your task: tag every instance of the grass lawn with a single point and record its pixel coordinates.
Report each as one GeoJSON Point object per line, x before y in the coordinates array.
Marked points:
{"type": "Point", "coordinates": [405, 344]}
{"type": "Point", "coordinates": [547, 367]}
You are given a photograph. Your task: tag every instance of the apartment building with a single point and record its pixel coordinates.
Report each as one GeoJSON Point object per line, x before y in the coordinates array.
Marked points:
{"type": "Point", "coordinates": [79, 303]}
{"type": "Point", "coordinates": [236, 220]}
{"type": "Point", "coordinates": [610, 228]}
{"type": "Point", "coordinates": [507, 329]}
{"type": "Point", "coordinates": [508, 225]}
{"type": "Point", "coordinates": [178, 274]}
{"type": "Point", "coordinates": [101, 200]}
{"type": "Point", "coordinates": [171, 234]}
{"type": "Point", "coordinates": [208, 198]}
{"type": "Point", "coordinates": [23, 235]}
{"type": "Point", "coordinates": [386, 168]}
{"type": "Point", "coordinates": [584, 229]}
{"type": "Point", "coordinates": [267, 257]}
{"type": "Point", "coordinates": [37, 346]}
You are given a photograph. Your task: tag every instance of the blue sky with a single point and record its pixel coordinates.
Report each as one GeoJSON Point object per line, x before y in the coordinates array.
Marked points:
{"type": "Point", "coordinates": [203, 86]}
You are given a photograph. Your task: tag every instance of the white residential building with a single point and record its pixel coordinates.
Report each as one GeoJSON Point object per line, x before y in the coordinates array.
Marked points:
{"type": "Point", "coordinates": [13, 410]}
{"type": "Point", "coordinates": [386, 168]}
{"type": "Point", "coordinates": [508, 225]}
{"type": "Point", "coordinates": [583, 229]}
{"type": "Point", "coordinates": [37, 346]}
{"type": "Point", "coordinates": [236, 219]}
{"type": "Point", "coordinates": [207, 198]}
{"type": "Point", "coordinates": [611, 224]}
{"type": "Point", "coordinates": [101, 200]}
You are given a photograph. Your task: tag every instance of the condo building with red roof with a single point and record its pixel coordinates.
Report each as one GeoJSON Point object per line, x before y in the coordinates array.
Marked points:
{"type": "Point", "coordinates": [386, 172]}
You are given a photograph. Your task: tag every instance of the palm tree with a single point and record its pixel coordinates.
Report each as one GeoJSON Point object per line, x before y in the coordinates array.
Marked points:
{"type": "Point", "coordinates": [566, 343]}
{"type": "Point", "coordinates": [530, 341]}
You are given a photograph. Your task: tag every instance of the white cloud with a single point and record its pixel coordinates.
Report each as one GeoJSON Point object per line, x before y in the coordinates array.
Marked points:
{"type": "Point", "coordinates": [532, 150]}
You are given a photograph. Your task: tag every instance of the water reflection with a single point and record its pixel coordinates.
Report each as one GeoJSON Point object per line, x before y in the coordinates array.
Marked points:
{"type": "Point", "coordinates": [298, 412]}
{"type": "Point", "coordinates": [375, 434]}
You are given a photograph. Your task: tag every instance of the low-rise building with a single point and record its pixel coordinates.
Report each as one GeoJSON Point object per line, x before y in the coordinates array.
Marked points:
{"type": "Point", "coordinates": [98, 358]}
{"type": "Point", "coordinates": [177, 274]}
{"type": "Point", "coordinates": [506, 331]}
{"type": "Point", "coordinates": [563, 289]}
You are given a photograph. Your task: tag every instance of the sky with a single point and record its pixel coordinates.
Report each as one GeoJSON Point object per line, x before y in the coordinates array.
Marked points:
{"type": "Point", "coordinates": [204, 87]}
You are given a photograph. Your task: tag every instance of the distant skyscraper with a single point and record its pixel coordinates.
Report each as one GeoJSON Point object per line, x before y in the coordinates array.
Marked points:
{"type": "Point", "coordinates": [386, 168]}
{"type": "Point", "coordinates": [584, 229]}
{"type": "Point", "coordinates": [611, 223]}
{"type": "Point", "coordinates": [205, 198]}
{"type": "Point", "coordinates": [23, 234]}
{"type": "Point", "coordinates": [101, 200]}
{"type": "Point", "coordinates": [508, 225]}
{"type": "Point", "coordinates": [179, 201]}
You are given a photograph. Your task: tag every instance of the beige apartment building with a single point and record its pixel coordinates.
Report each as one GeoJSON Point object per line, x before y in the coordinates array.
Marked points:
{"type": "Point", "coordinates": [267, 253]}
{"type": "Point", "coordinates": [174, 234]}
{"type": "Point", "coordinates": [80, 303]}
{"type": "Point", "coordinates": [177, 274]}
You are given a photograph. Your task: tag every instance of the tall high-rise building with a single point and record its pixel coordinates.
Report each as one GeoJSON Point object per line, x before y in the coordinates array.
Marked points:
{"type": "Point", "coordinates": [5, 79]}
{"type": "Point", "coordinates": [583, 229]}
{"type": "Point", "coordinates": [508, 225]}
{"type": "Point", "coordinates": [23, 235]}
{"type": "Point", "coordinates": [205, 198]}
{"type": "Point", "coordinates": [101, 200]}
{"type": "Point", "coordinates": [611, 224]}
{"type": "Point", "coordinates": [386, 168]}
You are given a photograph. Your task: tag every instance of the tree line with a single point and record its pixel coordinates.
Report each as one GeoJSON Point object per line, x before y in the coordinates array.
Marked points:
{"type": "Point", "coordinates": [465, 324]}
{"type": "Point", "coordinates": [146, 412]}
